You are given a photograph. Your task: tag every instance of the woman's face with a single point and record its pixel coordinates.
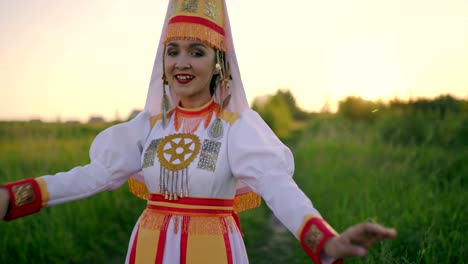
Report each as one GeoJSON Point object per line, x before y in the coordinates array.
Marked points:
{"type": "Point", "coordinates": [189, 67]}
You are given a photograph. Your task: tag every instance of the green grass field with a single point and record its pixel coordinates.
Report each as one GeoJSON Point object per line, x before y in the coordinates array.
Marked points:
{"type": "Point", "coordinates": [348, 170]}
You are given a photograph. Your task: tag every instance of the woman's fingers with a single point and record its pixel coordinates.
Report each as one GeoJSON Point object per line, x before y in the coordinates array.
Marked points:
{"type": "Point", "coordinates": [367, 234]}
{"type": "Point", "coordinates": [346, 250]}
{"type": "Point", "coordinates": [339, 247]}
{"type": "Point", "coordinates": [355, 240]}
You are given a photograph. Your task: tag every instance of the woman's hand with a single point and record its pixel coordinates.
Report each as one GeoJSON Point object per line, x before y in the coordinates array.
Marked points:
{"type": "Point", "coordinates": [4, 202]}
{"type": "Point", "coordinates": [355, 241]}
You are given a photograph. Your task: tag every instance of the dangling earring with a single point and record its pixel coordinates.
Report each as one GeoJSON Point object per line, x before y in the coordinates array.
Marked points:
{"type": "Point", "coordinates": [216, 130]}
{"type": "Point", "coordinates": [165, 103]}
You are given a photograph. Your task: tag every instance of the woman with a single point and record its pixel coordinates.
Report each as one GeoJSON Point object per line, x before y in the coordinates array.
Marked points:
{"type": "Point", "coordinates": [198, 163]}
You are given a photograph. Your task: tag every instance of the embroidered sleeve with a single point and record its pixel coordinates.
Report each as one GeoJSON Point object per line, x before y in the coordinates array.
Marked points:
{"type": "Point", "coordinates": [26, 197]}
{"type": "Point", "coordinates": [313, 235]}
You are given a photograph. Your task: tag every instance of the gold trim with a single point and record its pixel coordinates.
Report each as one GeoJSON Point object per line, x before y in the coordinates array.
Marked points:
{"type": "Point", "coordinates": [23, 194]}
{"type": "Point", "coordinates": [198, 225]}
{"type": "Point", "coordinates": [188, 206]}
{"type": "Point", "coordinates": [138, 189]}
{"type": "Point", "coordinates": [154, 119]}
{"type": "Point", "coordinates": [313, 237]}
{"type": "Point", "coordinates": [229, 117]}
{"type": "Point", "coordinates": [195, 32]}
{"type": "Point", "coordinates": [172, 151]}
{"type": "Point", "coordinates": [196, 109]}
{"type": "Point", "coordinates": [44, 191]}
{"type": "Point", "coordinates": [246, 201]}
{"type": "Point", "coordinates": [304, 222]}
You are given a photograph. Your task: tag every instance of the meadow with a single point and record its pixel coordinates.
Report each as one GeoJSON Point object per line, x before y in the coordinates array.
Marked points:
{"type": "Point", "coordinates": [352, 171]}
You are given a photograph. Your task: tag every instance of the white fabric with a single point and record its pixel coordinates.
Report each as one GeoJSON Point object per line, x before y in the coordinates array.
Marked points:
{"type": "Point", "coordinates": [259, 159]}
{"type": "Point", "coordinates": [115, 154]}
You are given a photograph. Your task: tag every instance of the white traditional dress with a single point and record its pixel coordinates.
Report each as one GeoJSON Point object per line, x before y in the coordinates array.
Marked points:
{"type": "Point", "coordinates": [196, 169]}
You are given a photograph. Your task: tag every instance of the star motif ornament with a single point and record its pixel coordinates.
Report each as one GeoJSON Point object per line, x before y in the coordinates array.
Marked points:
{"type": "Point", "coordinates": [177, 151]}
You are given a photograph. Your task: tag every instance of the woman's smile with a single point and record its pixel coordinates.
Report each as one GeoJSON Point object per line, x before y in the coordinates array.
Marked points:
{"type": "Point", "coordinates": [184, 78]}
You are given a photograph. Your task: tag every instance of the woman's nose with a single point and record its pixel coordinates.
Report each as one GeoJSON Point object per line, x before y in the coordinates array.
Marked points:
{"type": "Point", "coordinates": [183, 63]}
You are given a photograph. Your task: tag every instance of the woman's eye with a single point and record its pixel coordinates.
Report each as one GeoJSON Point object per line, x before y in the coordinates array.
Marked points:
{"type": "Point", "coordinates": [197, 53]}
{"type": "Point", "coordinates": [171, 53]}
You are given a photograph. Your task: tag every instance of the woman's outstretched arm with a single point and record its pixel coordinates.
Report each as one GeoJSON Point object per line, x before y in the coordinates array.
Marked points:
{"type": "Point", "coordinates": [114, 156]}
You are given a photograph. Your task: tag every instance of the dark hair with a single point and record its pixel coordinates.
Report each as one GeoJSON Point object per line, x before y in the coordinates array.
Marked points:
{"type": "Point", "coordinates": [213, 83]}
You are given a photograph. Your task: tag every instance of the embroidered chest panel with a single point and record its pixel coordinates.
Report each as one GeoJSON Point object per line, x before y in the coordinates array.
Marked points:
{"type": "Point", "coordinates": [175, 153]}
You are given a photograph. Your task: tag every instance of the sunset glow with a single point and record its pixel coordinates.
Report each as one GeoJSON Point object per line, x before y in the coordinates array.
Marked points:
{"type": "Point", "coordinates": [69, 60]}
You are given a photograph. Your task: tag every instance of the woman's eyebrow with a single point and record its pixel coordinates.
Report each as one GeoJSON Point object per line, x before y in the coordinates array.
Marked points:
{"type": "Point", "coordinates": [197, 45]}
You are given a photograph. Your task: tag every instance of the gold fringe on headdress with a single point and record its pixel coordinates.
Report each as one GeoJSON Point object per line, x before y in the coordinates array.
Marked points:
{"type": "Point", "coordinates": [195, 32]}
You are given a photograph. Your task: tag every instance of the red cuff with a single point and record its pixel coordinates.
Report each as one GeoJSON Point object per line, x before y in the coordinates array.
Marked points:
{"type": "Point", "coordinates": [25, 198]}
{"type": "Point", "coordinates": [315, 233]}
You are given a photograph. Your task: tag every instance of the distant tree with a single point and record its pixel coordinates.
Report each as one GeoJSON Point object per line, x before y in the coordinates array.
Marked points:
{"type": "Point", "coordinates": [276, 113]}
{"type": "Point", "coordinates": [96, 119]}
{"type": "Point", "coordinates": [440, 105]}
{"type": "Point", "coordinates": [356, 108]}
{"type": "Point", "coordinates": [290, 100]}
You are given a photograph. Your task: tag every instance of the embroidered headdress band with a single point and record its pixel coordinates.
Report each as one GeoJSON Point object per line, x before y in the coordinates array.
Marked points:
{"type": "Point", "coordinates": [201, 20]}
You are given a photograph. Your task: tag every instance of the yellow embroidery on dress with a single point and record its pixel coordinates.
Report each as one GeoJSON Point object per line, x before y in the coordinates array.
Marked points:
{"type": "Point", "coordinates": [229, 117]}
{"type": "Point", "coordinates": [44, 191]}
{"type": "Point", "coordinates": [23, 194]}
{"type": "Point", "coordinates": [304, 222]}
{"type": "Point", "coordinates": [209, 225]}
{"type": "Point", "coordinates": [246, 201]}
{"type": "Point", "coordinates": [151, 220]}
{"type": "Point", "coordinates": [155, 119]}
{"type": "Point", "coordinates": [313, 238]}
{"type": "Point", "coordinates": [138, 188]}
{"type": "Point", "coordinates": [175, 153]}
{"type": "Point", "coordinates": [194, 225]}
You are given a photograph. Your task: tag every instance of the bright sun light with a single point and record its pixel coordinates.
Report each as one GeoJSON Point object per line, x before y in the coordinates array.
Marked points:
{"type": "Point", "coordinates": [367, 67]}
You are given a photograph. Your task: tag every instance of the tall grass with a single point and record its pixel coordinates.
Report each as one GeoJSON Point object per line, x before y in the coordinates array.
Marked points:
{"type": "Point", "coordinates": [349, 170]}
{"type": "Point", "coordinates": [352, 175]}
{"type": "Point", "coordinates": [89, 231]}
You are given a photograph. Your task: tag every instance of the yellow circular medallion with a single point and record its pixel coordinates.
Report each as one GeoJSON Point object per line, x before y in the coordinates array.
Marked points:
{"type": "Point", "coordinates": [177, 151]}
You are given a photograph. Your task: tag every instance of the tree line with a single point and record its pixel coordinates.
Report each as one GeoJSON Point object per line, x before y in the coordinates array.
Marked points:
{"type": "Point", "coordinates": [442, 120]}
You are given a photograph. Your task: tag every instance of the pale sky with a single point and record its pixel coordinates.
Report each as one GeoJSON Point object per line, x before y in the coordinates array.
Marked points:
{"type": "Point", "coordinates": [72, 59]}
